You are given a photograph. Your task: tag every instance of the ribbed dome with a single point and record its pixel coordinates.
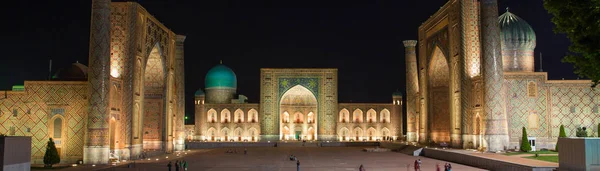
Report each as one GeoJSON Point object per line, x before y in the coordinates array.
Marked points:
{"type": "Point", "coordinates": [397, 93]}
{"type": "Point", "coordinates": [518, 43]}
{"type": "Point", "coordinates": [220, 76]}
{"type": "Point", "coordinates": [76, 72]}
{"type": "Point", "coordinates": [515, 32]}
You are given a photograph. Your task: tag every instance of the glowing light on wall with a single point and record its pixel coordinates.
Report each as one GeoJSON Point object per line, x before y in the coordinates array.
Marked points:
{"type": "Point", "coordinates": [114, 73]}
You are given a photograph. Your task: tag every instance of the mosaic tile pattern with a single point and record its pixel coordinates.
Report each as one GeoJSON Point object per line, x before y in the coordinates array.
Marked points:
{"type": "Point", "coordinates": [34, 108]}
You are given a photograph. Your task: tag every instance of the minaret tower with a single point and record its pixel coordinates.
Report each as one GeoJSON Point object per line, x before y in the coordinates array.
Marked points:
{"type": "Point", "coordinates": [412, 87]}
{"type": "Point", "coordinates": [96, 147]}
{"type": "Point", "coordinates": [496, 126]}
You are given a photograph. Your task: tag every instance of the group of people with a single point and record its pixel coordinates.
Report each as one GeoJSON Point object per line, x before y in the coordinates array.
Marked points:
{"type": "Point", "coordinates": [235, 151]}
{"type": "Point", "coordinates": [178, 165]}
{"type": "Point", "coordinates": [293, 158]}
{"type": "Point", "coordinates": [447, 167]}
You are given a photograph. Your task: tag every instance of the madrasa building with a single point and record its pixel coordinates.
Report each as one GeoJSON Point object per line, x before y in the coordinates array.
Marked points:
{"type": "Point", "coordinates": [295, 104]}
{"type": "Point", "coordinates": [472, 83]}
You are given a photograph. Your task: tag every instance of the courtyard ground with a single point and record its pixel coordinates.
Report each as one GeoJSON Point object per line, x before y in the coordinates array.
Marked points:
{"type": "Point", "coordinates": [277, 159]}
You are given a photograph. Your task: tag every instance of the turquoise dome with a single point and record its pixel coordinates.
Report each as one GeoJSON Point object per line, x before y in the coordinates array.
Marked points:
{"type": "Point", "coordinates": [220, 76]}
{"type": "Point", "coordinates": [199, 92]}
{"type": "Point", "coordinates": [397, 93]}
{"type": "Point", "coordinates": [515, 33]}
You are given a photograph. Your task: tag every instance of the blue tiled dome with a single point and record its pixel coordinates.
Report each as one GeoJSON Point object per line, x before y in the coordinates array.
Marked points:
{"type": "Point", "coordinates": [516, 33]}
{"type": "Point", "coordinates": [220, 76]}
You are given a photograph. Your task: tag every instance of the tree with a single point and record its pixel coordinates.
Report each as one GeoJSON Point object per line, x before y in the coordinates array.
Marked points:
{"type": "Point", "coordinates": [598, 131]}
{"type": "Point", "coordinates": [579, 20]}
{"type": "Point", "coordinates": [560, 134]}
{"type": "Point", "coordinates": [51, 157]}
{"type": "Point", "coordinates": [525, 146]}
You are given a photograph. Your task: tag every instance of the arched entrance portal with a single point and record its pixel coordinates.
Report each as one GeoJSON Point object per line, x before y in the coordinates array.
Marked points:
{"type": "Point", "coordinates": [301, 102]}
{"type": "Point", "coordinates": [439, 97]}
{"type": "Point", "coordinates": [154, 101]}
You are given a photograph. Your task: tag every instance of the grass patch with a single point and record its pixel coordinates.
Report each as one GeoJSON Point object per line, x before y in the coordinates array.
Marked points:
{"type": "Point", "coordinates": [49, 168]}
{"type": "Point", "coordinates": [532, 153]}
{"type": "Point", "coordinates": [545, 158]}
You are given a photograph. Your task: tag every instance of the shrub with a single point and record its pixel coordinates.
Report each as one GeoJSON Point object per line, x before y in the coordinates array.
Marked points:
{"type": "Point", "coordinates": [581, 132]}
{"type": "Point", "coordinates": [598, 131]}
{"type": "Point", "coordinates": [525, 146]}
{"type": "Point", "coordinates": [51, 157]}
{"type": "Point", "coordinates": [560, 134]}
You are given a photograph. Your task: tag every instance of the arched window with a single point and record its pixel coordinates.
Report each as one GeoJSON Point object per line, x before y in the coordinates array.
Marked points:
{"type": "Point", "coordinates": [212, 116]}
{"type": "Point", "coordinates": [298, 117]}
{"type": "Point", "coordinates": [310, 118]}
{"type": "Point", "coordinates": [57, 128]}
{"type": "Point", "coordinates": [371, 116]}
{"type": "Point", "coordinates": [344, 115]}
{"type": "Point", "coordinates": [357, 116]}
{"type": "Point", "coordinates": [385, 116]}
{"type": "Point", "coordinates": [286, 117]}
{"type": "Point", "coordinates": [252, 116]}
{"type": "Point", "coordinates": [225, 116]}
{"type": "Point", "coordinates": [239, 116]}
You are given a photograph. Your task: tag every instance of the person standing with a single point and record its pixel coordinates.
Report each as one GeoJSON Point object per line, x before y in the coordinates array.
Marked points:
{"type": "Point", "coordinates": [245, 151]}
{"type": "Point", "coordinates": [361, 168]}
{"type": "Point", "coordinates": [177, 165]}
{"type": "Point", "coordinates": [419, 163]}
{"type": "Point", "coordinates": [169, 165]}
{"type": "Point", "coordinates": [297, 165]}
{"type": "Point", "coordinates": [185, 165]}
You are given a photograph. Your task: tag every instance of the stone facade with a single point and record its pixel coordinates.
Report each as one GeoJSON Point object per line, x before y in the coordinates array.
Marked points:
{"type": "Point", "coordinates": [126, 105]}
{"type": "Point", "coordinates": [462, 80]}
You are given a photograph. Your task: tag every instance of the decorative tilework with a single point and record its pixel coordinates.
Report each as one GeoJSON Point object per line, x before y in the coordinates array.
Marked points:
{"type": "Point", "coordinates": [311, 84]}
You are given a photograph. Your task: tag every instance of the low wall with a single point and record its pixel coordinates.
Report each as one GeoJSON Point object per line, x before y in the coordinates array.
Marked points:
{"type": "Point", "coordinates": [479, 162]}
{"type": "Point", "coordinates": [348, 144]}
{"type": "Point", "coordinates": [392, 146]}
{"type": "Point", "coordinates": [579, 153]}
{"type": "Point", "coordinates": [200, 145]}
{"type": "Point", "coordinates": [15, 153]}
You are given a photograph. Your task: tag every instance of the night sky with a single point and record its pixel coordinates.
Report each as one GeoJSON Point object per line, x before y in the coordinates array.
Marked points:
{"type": "Point", "coordinates": [363, 39]}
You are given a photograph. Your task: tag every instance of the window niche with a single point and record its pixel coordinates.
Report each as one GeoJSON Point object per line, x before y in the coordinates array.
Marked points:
{"type": "Point", "coordinates": [532, 89]}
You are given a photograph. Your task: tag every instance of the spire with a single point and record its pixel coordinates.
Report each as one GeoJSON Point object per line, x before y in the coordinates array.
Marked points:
{"type": "Point", "coordinates": [221, 62]}
{"type": "Point", "coordinates": [507, 9]}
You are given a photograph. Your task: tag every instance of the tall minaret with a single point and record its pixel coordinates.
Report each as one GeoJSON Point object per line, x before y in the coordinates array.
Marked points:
{"type": "Point", "coordinates": [496, 126]}
{"type": "Point", "coordinates": [412, 87]}
{"type": "Point", "coordinates": [96, 147]}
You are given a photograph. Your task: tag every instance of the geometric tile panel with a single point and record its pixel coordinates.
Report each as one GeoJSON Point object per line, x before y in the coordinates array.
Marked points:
{"type": "Point", "coordinates": [520, 106]}
{"type": "Point", "coordinates": [573, 106]}
{"type": "Point", "coordinates": [152, 119]}
{"type": "Point", "coordinates": [33, 108]}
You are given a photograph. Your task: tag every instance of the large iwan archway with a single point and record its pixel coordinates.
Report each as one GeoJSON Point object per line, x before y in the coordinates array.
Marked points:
{"type": "Point", "coordinates": [300, 105]}
{"type": "Point", "coordinates": [154, 112]}
{"type": "Point", "coordinates": [439, 97]}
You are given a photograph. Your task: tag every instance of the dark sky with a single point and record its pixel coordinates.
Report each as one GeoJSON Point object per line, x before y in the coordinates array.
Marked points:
{"type": "Point", "coordinates": [363, 39]}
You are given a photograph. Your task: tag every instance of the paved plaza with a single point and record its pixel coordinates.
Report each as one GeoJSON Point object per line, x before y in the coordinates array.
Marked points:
{"type": "Point", "coordinates": [311, 159]}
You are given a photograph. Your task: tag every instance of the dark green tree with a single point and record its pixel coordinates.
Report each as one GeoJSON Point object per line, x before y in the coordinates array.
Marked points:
{"type": "Point", "coordinates": [51, 157]}
{"type": "Point", "coordinates": [525, 146]}
{"type": "Point", "coordinates": [580, 21]}
{"type": "Point", "coordinates": [562, 133]}
{"type": "Point", "coordinates": [598, 130]}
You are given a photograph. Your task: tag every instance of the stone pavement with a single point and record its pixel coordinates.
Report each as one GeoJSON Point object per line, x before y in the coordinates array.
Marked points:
{"type": "Point", "coordinates": [518, 159]}
{"type": "Point", "coordinates": [311, 159]}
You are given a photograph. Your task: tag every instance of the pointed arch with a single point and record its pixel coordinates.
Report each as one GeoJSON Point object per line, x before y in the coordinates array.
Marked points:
{"type": "Point", "coordinates": [357, 116]}
{"type": "Point", "coordinates": [239, 116]}
{"type": "Point", "coordinates": [298, 117]}
{"type": "Point", "coordinates": [225, 133]}
{"type": "Point", "coordinates": [358, 133]}
{"type": "Point", "coordinates": [385, 132]}
{"type": "Point", "coordinates": [253, 134]}
{"type": "Point", "coordinates": [238, 134]}
{"type": "Point", "coordinates": [344, 115]}
{"type": "Point", "coordinates": [225, 116]}
{"type": "Point", "coordinates": [285, 117]}
{"type": "Point", "coordinates": [311, 133]}
{"type": "Point", "coordinates": [371, 116]}
{"type": "Point", "coordinates": [371, 133]}
{"type": "Point", "coordinates": [310, 118]}
{"type": "Point", "coordinates": [384, 116]}
{"type": "Point", "coordinates": [212, 133]}
{"type": "Point", "coordinates": [211, 116]}
{"type": "Point", "coordinates": [252, 116]}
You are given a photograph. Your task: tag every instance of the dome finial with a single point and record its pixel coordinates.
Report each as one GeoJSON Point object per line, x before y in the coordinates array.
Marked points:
{"type": "Point", "coordinates": [507, 9]}
{"type": "Point", "coordinates": [221, 62]}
